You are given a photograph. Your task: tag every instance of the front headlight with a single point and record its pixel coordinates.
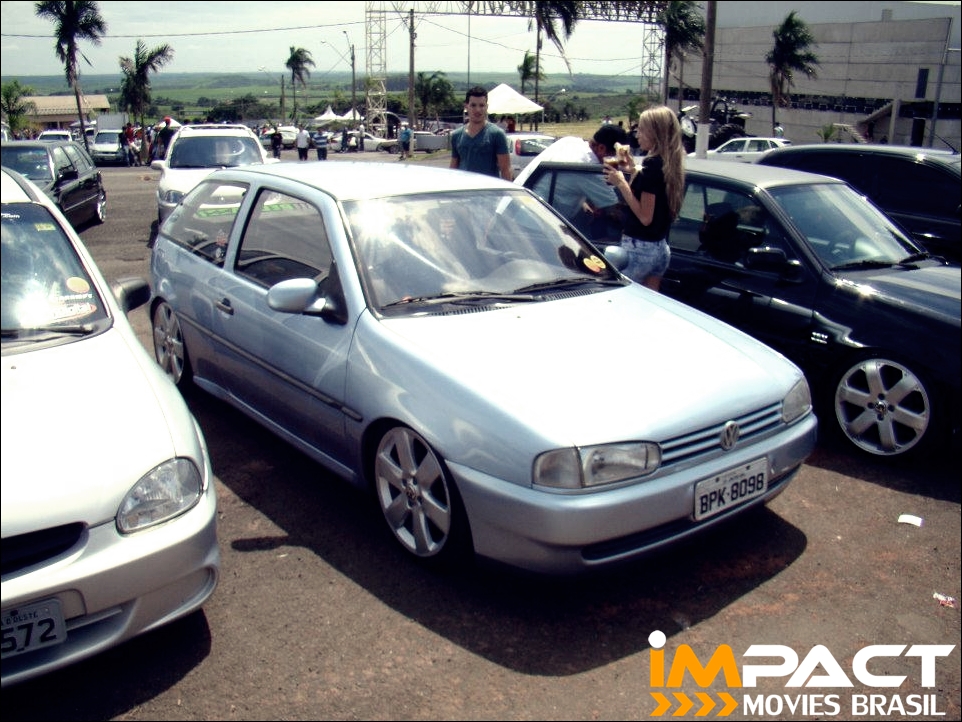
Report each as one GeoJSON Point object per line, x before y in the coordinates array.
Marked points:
{"type": "Point", "coordinates": [590, 466]}
{"type": "Point", "coordinates": [172, 197]}
{"type": "Point", "coordinates": [797, 402]}
{"type": "Point", "coordinates": [165, 492]}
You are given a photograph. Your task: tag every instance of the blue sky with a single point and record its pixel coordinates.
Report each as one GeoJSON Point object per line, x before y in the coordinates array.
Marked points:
{"type": "Point", "coordinates": [251, 36]}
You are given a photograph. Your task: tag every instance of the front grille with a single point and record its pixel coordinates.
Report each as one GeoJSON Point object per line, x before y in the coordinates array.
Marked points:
{"type": "Point", "coordinates": [708, 439]}
{"type": "Point", "coordinates": [19, 552]}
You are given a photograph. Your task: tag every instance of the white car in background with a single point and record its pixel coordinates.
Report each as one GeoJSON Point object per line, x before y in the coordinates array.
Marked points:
{"type": "Point", "coordinates": [197, 150]}
{"type": "Point", "coordinates": [523, 147]}
{"type": "Point", "coordinates": [744, 150]}
{"type": "Point", "coordinates": [109, 509]}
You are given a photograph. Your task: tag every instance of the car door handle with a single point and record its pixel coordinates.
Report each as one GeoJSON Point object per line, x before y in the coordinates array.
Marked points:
{"type": "Point", "coordinates": [224, 305]}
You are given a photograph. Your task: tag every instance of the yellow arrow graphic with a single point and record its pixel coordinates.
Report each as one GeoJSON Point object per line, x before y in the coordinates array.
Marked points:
{"type": "Point", "coordinates": [686, 704]}
{"type": "Point", "coordinates": [707, 704]}
{"type": "Point", "coordinates": [730, 704]}
{"type": "Point", "coordinates": [664, 704]}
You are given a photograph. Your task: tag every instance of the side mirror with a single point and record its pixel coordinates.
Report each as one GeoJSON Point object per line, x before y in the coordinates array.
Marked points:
{"type": "Point", "coordinates": [67, 174]}
{"type": "Point", "coordinates": [772, 260]}
{"type": "Point", "coordinates": [304, 296]}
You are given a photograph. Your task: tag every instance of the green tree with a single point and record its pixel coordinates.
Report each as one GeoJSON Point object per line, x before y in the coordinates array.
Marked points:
{"type": "Point", "coordinates": [298, 63]}
{"type": "Point", "coordinates": [135, 88]}
{"type": "Point", "coordinates": [684, 28]}
{"type": "Point", "coordinates": [544, 16]}
{"type": "Point", "coordinates": [791, 54]}
{"type": "Point", "coordinates": [529, 70]}
{"type": "Point", "coordinates": [433, 92]}
{"type": "Point", "coordinates": [13, 105]}
{"type": "Point", "coordinates": [73, 21]}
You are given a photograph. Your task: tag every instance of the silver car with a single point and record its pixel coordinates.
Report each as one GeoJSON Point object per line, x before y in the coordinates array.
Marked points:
{"type": "Point", "coordinates": [448, 341]}
{"type": "Point", "coordinates": [108, 503]}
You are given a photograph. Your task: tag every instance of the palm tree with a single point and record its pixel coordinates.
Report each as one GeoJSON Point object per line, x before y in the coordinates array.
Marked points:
{"type": "Point", "coordinates": [790, 54]}
{"type": "Point", "coordinates": [543, 16]}
{"type": "Point", "coordinates": [684, 27]}
{"type": "Point", "coordinates": [73, 21]}
{"type": "Point", "coordinates": [135, 89]}
{"type": "Point", "coordinates": [529, 70]}
{"type": "Point", "coordinates": [14, 107]}
{"type": "Point", "coordinates": [432, 91]}
{"type": "Point", "coordinates": [298, 63]}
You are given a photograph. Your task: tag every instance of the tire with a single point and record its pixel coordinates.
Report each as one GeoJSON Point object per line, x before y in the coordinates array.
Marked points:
{"type": "Point", "coordinates": [418, 499]}
{"type": "Point", "coordinates": [884, 408]}
{"type": "Point", "coordinates": [169, 347]}
{"type": "Point", "coordinates": [100, 210]}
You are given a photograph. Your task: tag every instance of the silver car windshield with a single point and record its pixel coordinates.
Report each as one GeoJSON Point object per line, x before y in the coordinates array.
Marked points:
{"type": "Point", "coordinates": [842, 229]}
{"type": "Point", "coordinates": [46, 289]}
{"type": "Point", "coordinates": [214, 152]}
{"type": "Point", "coordinates": [468, 247]}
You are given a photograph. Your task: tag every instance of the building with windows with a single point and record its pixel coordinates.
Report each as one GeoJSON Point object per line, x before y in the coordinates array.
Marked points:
{"type": "Point", "coordinates": [60, 111]}
{"type": "Point", "coordinates": [889, 71]}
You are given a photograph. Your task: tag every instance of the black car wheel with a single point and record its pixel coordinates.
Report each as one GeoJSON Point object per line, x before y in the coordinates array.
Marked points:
{"type": "Point", "coordinates": [169, 348]}
{"type": "Point", "coordinates": [417, 498]}
{"type": "Point", "coordinates": [883, 407]}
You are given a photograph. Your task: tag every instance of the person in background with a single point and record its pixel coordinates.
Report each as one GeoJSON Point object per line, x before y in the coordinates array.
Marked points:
{"type": "Point", "coordinates": [344, 140]}
{"type": "Point", "coordinates": [602, 143]}
{"type": "Point", "coordinates": [360, 136]}
{"type": "Point", "coordinates": [653, 193]}
{"type": "Point", "coordinates": [405, 138]}
{"type": "Point", "coordinates": [303, 142]}
{"type": "Point", "coordinates": [162, 139]}
{"type": "Point", "coordinates": [479, 145]}
{"type": "Point", "coordinates": [779, 131]}
{"type": "Point", "coordinates": [320, 145]}
{"type": "Point", "coordinates": [277, 142]}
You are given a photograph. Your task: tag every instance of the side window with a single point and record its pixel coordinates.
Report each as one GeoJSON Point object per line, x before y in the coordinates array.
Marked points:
{"type": "Point", "coordinates": [723, 225]}
{"type": "Point", "coordinates": [590, 204]}
{"type": "Point", "coordinates": [284, 239]}
{"type": "Point", "coordinates": [202, 223]}
{"type": "Point", "coordinates": [921, 189]}
{"type": "Point", "coordinates": [60, 160]}
{"type": "Point", "coordinates": [78, 158]}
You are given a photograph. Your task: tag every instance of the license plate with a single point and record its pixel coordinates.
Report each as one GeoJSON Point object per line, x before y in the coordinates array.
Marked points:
{"type": "Point", "coordinates": [31, 627]}
{"type": "Point", "coordinates": [731, 488]}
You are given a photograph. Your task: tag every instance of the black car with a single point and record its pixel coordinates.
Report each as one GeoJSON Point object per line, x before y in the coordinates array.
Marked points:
{"type": "Point", "coordinates": [919, 188]}
{"type": "Point", "coordinates": [65, 172]}
{"type": "Point", "coordinates": [805, 264]}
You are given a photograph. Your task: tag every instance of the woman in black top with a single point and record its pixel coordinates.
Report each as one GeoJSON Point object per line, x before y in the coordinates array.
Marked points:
{"type": "Point", "coordinates": [653, 193]}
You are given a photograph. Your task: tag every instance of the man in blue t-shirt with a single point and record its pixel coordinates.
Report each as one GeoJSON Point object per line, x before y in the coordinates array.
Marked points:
{"type": "Point", "coordinates": [478, 145]}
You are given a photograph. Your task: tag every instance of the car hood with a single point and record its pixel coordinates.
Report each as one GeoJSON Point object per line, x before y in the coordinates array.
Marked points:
{"type": "Point", "coordinates": [82, 422]}
{"type": "Point", "coordinates": [930, 288]}
{"type": "Point", "coordinates": [627, 363]}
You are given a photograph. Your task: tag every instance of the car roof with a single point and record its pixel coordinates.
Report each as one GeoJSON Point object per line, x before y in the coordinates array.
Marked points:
{"type": "Point", "coordinates": [40, 143]}
{"type": "Point", "coordinates": [938, 155]}
{"type": "Point", "coordinates": [215, 129]}
{"type": "Point", "coordinates": [15, 189]}
{"type": "Point", "coordinates": [354, 180]}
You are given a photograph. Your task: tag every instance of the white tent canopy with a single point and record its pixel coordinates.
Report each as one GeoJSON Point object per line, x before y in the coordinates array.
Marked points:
{"type": "Point", "coordinates": [506, 100]}
{"type": "Point", "coordinates": [327, 116]}
{"type": "Point", "coordinates": [352, 114]}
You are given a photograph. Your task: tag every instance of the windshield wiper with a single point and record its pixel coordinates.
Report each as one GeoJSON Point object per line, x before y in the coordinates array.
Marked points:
{"type": "Point", "coordinates": [868, 263]}
{"type": "Point", "coordinates": [566, 282]}
{"type": "Point", "coordinates": [41, 333]}
{"type": "Point", "coordinates": [914, 258]}
{"type": "Point", "coordinates": [460, 297]}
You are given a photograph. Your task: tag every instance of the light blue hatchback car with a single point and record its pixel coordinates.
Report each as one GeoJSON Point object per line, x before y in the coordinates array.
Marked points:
{"type": "Point", "coordinates": [450, 342]}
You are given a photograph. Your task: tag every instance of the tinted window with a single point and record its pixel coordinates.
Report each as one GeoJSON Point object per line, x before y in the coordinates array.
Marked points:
{"type": "Point", "coordinates": [78, 158]}
{"type": "Point", "coordinates": [284, 239]}
{"type": "Point", "coordinates": [915, 188]}
{"type": "Point", "coordinates": [203, 222]}
{"type": "Point", "coordinates": [590, 204]}
{"type": "Point", "coordinates": [850, 167]}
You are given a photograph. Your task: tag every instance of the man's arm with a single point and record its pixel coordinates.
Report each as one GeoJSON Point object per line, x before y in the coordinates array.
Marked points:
{"type": "Point", "coordinates": [504, 166]}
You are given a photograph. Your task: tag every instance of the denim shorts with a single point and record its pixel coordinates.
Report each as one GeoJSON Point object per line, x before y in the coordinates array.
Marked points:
{"type": "Point", "coordinates": [645, 258]}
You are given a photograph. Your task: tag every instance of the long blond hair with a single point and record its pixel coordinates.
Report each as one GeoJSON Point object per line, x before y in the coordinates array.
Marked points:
{"type": "Point", "coordinates": [662, 127]}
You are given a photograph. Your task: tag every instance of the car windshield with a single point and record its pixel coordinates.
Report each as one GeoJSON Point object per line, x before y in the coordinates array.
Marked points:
{"type": "Point", "coordinates": [842, 229]}
{"type": "Point", "coordinates": [46, 289]}
{"type": "Point", "coordinates": [213, 152]}
{"type": "Point", "coordinates": [110, 136]}
{"type": "Point", "coordinates": [465, 247]}
{"type": "Point", "coordinates": [29, 162]}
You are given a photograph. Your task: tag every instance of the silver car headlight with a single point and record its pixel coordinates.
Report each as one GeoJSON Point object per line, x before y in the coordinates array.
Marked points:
{"type": "Point", "coordinates": [590, 466]}
{"type": "Point", "coordinates": [166, 491]}
{"type": "Point", "coordinates": [797, 402]}
{"type": "Point", "coordinates": [171, 196]}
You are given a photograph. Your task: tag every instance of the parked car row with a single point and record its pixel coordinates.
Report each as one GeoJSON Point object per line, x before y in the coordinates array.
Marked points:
{"type": "Point", "coordinates": [807, 265]}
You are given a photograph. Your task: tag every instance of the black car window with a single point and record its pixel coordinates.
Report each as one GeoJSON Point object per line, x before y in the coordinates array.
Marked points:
{"type": "Point", "coordinates": [29, 161]}
{"type": "Point", "coordinates": [61, 162]}
{"type": "Point", "coordinates": [284, 239]}
{"type": "Point", "coordinates": [919, 190]}
{"type": "Point", "coordinates": [202, 223]}
{"type": "Point", "coordinates": [724, 224]}
{"type": "Point", "coordinates": [78, 158]}
{"type": "Point", "coordinates": [590, 204]}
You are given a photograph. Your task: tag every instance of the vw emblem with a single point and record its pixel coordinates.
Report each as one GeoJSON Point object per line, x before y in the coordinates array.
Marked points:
{"type": "Point", "coordinates": [729, 435]}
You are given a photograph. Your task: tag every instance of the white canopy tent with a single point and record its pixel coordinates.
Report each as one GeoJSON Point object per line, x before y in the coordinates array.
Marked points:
{"type": "Point", "coordinates": [328, 116]}
{"type": "Point", "coordinates": [352, 114]}
{"type": "Point", "coordinates": [505, 100]}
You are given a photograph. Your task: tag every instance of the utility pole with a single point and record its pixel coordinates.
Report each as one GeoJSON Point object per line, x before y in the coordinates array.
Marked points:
{"type": "Point", "coordinates": [412, 114]}
{"type": "Point", "coordinates": [707, 67]}
{"type": "Point", "coordinates": [350, 46]}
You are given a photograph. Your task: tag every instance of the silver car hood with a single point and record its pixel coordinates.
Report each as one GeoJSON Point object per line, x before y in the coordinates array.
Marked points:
{"type": "Point", "coordinates": [594, 368]}
{"type": "Point", "coordinates": [100, 390]}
